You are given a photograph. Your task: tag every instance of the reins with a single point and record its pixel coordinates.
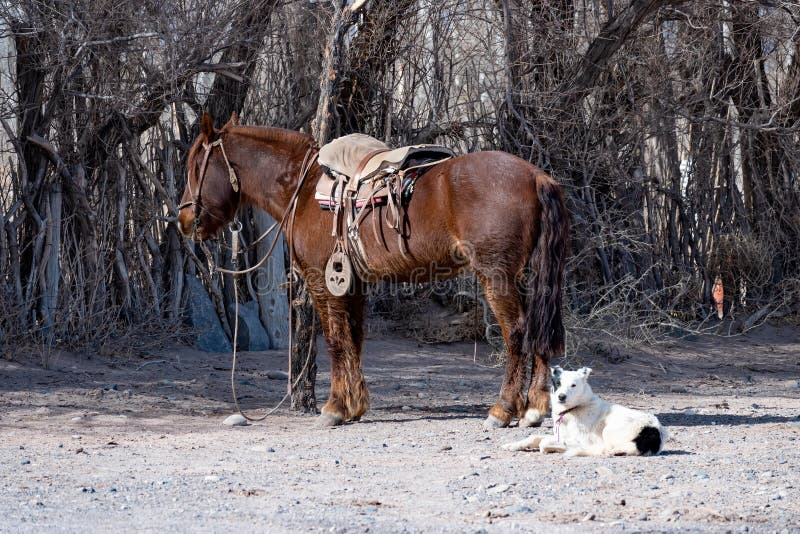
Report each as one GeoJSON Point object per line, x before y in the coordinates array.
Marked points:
{"type": "Point", "coordinates": [288, 215]}
{"type": "Point", "coordinates": [235, 227]}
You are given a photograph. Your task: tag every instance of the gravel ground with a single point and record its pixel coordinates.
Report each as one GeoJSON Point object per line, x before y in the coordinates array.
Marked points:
{"type": "Point", "coordinates": [118, 445]}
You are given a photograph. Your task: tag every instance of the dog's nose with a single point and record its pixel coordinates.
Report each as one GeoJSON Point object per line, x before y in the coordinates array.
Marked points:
{"type": "Point", "coordinates": [562, 397]}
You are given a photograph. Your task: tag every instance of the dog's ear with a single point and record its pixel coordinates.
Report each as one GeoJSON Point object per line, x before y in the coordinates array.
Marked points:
{"type": "Point", "coordinates": [585, 371]}
{"type": "Point", "coordinates": [555, 378]}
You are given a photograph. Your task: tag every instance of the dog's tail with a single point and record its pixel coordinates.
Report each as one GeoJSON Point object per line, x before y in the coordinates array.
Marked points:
{"type": "Point", "coordinates": [544, 327]}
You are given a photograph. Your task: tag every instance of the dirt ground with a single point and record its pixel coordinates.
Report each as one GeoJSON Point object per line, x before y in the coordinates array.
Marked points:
{"type": "Point", "coordinates": [114, 444]}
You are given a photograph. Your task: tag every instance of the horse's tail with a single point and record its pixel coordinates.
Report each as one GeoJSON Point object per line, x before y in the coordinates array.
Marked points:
{"type": "Point", "coordinates": [544, 327]}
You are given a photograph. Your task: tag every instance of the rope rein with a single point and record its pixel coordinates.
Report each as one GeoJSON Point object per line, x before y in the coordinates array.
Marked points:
{"type": "Point", "coordinates": [288, 215]}
{"type": "Point", "coordinates": [235, 228]}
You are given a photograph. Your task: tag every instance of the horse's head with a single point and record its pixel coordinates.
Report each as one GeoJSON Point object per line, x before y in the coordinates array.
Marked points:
{"type": "Point", "coordinates": [212, 189]}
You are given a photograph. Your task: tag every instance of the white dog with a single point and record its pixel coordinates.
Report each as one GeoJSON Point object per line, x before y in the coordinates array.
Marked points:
{"type": "Point", "coordinates": [585, 425]}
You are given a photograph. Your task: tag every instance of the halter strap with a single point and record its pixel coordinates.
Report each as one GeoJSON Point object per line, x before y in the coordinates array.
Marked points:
{"type": "Point", "coordinates": [197, 200]}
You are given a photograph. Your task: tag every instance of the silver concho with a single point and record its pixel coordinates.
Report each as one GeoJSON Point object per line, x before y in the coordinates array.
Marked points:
{"type": "Point", "coordinates": [338, 274]}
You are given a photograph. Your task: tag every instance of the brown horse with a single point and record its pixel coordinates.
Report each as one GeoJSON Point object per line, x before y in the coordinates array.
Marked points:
{"type": "Point", "coordinates": [489, 211]}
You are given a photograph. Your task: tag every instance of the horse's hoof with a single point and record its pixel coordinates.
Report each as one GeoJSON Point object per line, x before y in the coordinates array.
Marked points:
{"type": "Point", "coordinates": [355, 419]}
{"type": "Point", "coordinates": [328, 419]}
{"type": "Point", "coordinates": [494, 422]}
{"type": "Point", "coordinates": [532, 417]}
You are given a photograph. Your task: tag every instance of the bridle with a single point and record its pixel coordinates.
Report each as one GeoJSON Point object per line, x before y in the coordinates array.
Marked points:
{"type": "Point", "coordinates": [197, 196]}
{"type": "Point", "coordinates": [286, 223]}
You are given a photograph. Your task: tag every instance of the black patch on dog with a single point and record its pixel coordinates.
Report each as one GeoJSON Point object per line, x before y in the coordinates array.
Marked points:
{"type": "Point", "coordinates": [555, 377]}
{"type": "Point", "coordinates": [556, 381]}
{"type": "Point", "coordinates": [648, 441]}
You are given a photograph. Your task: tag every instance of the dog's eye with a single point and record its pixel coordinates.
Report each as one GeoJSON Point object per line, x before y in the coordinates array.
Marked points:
{"type": "Point", "coordinates": [573, 385]}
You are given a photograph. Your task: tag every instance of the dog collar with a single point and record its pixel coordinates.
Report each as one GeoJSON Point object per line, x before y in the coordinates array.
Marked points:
{"type": "Point", "coordinates": [561, 420]}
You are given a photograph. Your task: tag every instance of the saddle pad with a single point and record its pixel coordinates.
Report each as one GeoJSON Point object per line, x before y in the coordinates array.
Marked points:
{"type": "Point", "coordinates": [345, 154]}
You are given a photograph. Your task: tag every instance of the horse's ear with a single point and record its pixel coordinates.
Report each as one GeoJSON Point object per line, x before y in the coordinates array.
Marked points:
{"type": "Point", "coordinates": [555, 371]}
{"type": "Point", "coordinates": [207, 126]}
{"type": "Point", "coordinates": [585, 371]}
{"type": "Point", "coordinates": [234, 121]}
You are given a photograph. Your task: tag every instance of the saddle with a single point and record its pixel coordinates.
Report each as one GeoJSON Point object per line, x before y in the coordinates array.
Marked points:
{"type": "Point", "coordinates": [362, 172]}
{"type": "Point", "coordinates": [354, 160]}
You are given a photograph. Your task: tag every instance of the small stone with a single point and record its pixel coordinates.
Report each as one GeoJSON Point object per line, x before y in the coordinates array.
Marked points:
{"type": "Point", "coordinates": [668, 476]}
{"type": "Point", "coordinates": [277, 375]}
{"type": "Point", "coordinates": [75, 436]}
{"type": "Point", "coordinates": [642, 517]}
{"type": "Point", "coordinates": [518, 510]}
{"type": "Point", "coordinates": [25, 462]}
{"type": "Point", "coordinates": [270, 450]}
{"type": "Point", "coordinates": [588, 517]}
{"type": "Point", "coordinates": [78, 419]}
{"type": "Point", "coordinates": [235, 420]}
{"type": "Point", "coordinates": [700, 474]}
{"type": "Point", "coordinates": [605, 471]}
{"type": "Point", "coordinates": [677, 389]}
{"type": "Point", "coordinates": [405, 408]}
{"type": "Point", "coordinates": [421, 395]}
{"type": "Point", "coordinates": [446, 448]}
{"type": "Point", "coordinates": [500, 488]}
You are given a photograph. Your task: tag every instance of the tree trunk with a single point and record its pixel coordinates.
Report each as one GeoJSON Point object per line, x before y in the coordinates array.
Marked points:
{"type": "Point", "coordinates": [303, 364]}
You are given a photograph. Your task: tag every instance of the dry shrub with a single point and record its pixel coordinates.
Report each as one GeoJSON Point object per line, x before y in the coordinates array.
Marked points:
{"type": "Point", "coordinates": [744, 262]}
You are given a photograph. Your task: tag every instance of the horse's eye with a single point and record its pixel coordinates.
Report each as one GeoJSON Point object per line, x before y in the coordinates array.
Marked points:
{"type": "Point", "coordinates": [573, 385]}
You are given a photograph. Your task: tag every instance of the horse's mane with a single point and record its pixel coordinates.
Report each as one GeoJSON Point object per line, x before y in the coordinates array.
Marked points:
{"type": "Point", "coordinates": [271, 135]}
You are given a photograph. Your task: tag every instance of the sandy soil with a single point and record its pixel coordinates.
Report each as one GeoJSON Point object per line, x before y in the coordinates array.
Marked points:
{"type": "Point", "coordinates": [139, 444]}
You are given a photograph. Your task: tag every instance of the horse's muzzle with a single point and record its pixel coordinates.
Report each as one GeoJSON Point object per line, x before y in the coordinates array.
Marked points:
{"type": "Point", "coordinates": [186, 222]}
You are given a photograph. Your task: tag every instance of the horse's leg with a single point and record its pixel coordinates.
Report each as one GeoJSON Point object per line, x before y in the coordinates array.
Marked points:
{"type": "Point", "coordinates": [504, 299]}
{"type": "Point", "coordinates": [342, 323]}
{"type": "Point", "coordinates": [538, 393]}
